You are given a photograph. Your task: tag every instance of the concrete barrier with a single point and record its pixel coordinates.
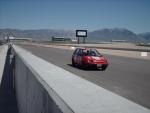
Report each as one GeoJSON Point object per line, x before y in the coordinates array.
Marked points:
{"type": "Point", "coordinates": [3, 54]}
{"type": "Point", "coordinates": [42, 87]}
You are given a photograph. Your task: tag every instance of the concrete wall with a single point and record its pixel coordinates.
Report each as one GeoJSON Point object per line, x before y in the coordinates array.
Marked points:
{"type": "Point", "coordinates": [31, 95]}
{"type": "Point", "coordinates": [3, 54]}
{"type": "Point", "coordinates": [42, 87]}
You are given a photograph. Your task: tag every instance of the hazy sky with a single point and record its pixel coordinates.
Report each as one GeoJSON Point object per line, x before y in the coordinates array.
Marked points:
{"type": "Point", "coordinates": [75, 14]}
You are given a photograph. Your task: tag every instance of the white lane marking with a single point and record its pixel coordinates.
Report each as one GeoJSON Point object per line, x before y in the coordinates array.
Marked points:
{"type": "Point", "coordinates": [144, 54]}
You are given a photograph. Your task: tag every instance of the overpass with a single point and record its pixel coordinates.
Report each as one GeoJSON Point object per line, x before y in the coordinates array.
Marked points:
{"type": "Point", "coordinates": [42, 87]}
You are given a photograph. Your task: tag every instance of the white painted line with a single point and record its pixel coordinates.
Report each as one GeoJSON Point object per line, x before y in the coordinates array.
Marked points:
{"type": "Point", "coordinates": [144, 54]}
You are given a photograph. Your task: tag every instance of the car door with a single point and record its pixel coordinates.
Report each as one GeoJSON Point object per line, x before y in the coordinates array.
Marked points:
{"type": "Point", "coordinates": [79, 56]}
{"type": "Point", "coordinates": [75, 55]}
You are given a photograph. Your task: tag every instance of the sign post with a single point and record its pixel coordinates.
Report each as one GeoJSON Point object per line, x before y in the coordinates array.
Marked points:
{"type": "Point", "coordinates": [81, 33]}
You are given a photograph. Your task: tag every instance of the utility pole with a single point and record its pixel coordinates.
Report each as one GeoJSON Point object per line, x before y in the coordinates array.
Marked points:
{"type": "Point", "coordinates": [78, 40]}
{"type": "Point", "coordinates": [83, 40]}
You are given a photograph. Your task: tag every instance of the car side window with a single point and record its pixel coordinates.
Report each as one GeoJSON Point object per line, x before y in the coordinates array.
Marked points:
{"type": "Point", "coordinates": [80, 52]}
{"type": "Point", "coordinates": [76, 51]}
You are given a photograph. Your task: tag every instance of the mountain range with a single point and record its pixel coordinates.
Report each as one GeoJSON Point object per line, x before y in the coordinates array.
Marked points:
{"type": "Point", "coordinates": [146, 36]}
{"type": "Point", "coordinates": [95, 36]}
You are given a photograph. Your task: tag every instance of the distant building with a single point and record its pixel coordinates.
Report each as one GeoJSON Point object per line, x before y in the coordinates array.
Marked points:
{"type": "Point", "coordinates": [58, 39]}
{"type": "Point", "coordinates": [24, 39]}
{"type": "Point", "coordinates": [74, 40]}
{"type": "Point", "coordinates": [12, 38]}
{"type": "Point", "coordinates": [118, 41]}
{"type": "Point", "coordinates": [9, 37]}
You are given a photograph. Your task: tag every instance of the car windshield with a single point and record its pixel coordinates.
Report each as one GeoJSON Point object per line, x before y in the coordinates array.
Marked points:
{"type": "Point", "coordinates": [91, 52]}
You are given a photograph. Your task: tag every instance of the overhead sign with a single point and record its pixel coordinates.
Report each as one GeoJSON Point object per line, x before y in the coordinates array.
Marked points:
{"type": "Point", "coordinates": [81, 33]}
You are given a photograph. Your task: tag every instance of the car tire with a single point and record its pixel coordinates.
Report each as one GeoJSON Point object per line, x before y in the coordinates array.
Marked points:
{"type": "Point", "coordinates": [83, 65]}
{"type": "Point", "coordinates": [104, 67]}
{"type": "Point", "coordinates": [73, 63]}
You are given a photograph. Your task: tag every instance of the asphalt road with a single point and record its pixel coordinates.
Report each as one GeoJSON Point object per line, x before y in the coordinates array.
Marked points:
{"type": "Point", "coordinates": [127, 77]}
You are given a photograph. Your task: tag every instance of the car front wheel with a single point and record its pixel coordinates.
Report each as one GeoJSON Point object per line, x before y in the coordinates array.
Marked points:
{"type": "Point", "coordinates": [104, 67]}
{"type": "Point", "coordinates": [73, 63]}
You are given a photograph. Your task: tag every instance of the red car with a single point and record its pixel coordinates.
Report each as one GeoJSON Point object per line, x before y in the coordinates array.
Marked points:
{"type": "Point", "coordinates": [89, 58]}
